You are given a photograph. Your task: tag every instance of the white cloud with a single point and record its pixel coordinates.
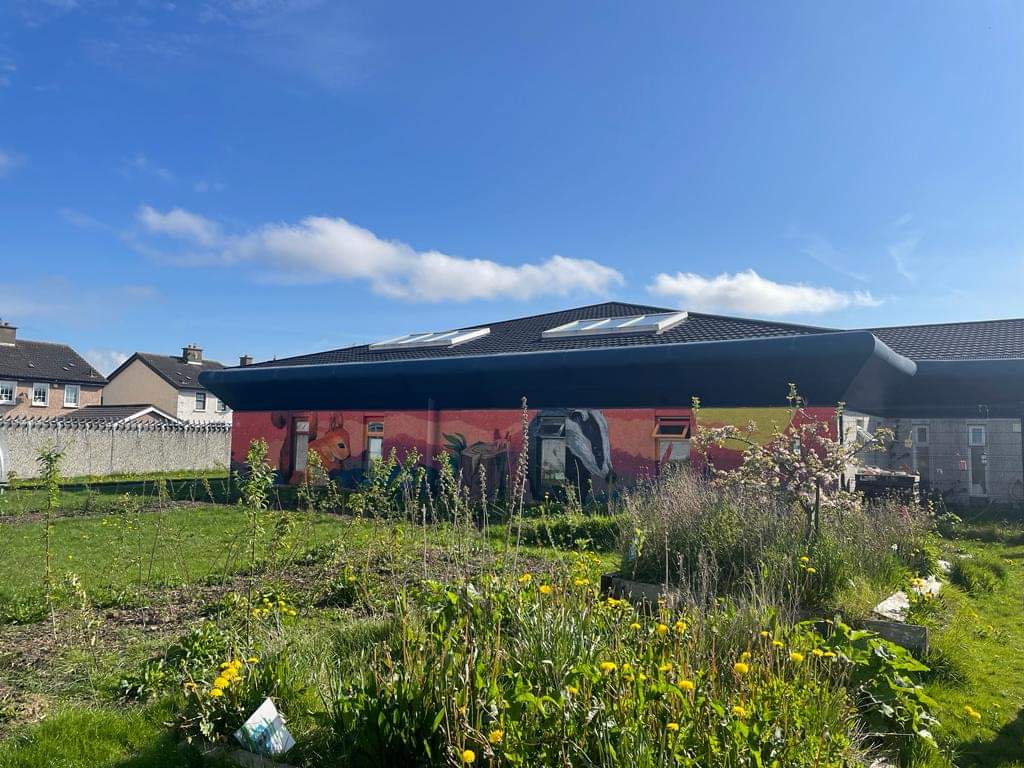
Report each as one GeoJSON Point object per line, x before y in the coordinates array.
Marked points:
{"type": "Point", "coordinates": [105, 360]}
{"type": "Point", "coordinates": [902, 256]}
{"type": "Point", "coordinates": [181, 224]}
{"type": "Point", "coordinates": [142, 164]}
{"type": "Point", "coordinates": [9, 161]}
{"type": "Point", "coordinates": [320, 248]}
{"type": "Point", "coordinates": [748, 292]}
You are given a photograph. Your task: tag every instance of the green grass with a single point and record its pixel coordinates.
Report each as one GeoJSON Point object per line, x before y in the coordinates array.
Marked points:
{"type": "Point", "coordinates": [983, 634]}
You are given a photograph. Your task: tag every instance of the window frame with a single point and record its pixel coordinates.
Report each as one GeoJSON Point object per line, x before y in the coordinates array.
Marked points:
{"type": "Point", "coordinates": [374, 432]}
{"type": "Point", "coordinates": [77, 389]}
{"type": "Point", "coordinates": [14, 392]}
{"type": "Point", "coordinates": [195, 402]}
{"type": "Point", "coordinates": [221, 406]}
{"type": "Point", "coordinates": [46, 396]}
{"type": "Point", "coordinates": [970, 436]}
{"type": "Point", "coordinates": [683, 422]}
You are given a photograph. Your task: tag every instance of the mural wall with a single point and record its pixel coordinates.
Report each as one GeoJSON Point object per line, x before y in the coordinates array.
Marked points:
{"type": "Point", "coordinates": [593, 449]}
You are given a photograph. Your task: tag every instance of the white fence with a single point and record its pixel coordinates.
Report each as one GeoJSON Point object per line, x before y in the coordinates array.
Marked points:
{"type": "Point", "coordinates": [104, 448]}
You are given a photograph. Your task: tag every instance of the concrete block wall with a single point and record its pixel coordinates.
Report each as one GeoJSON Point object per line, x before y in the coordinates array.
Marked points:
{"type": "Point", "coordinates": [103, 449]}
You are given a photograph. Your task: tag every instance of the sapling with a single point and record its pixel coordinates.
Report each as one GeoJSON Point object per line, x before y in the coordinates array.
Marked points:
{"type": "Point", "coordinates": [255, 497]}
{"type": "Point", "coordinates": [49, 459]}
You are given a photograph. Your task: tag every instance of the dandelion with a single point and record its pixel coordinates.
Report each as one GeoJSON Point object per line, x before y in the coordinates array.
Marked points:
{"type": "Point", "coordinates": [686, 685]}
{"type": "Point", "coordinates": [225, 665]}
{"type": "Point", "coordinates": [572, 690]}
{"type": "Point", "coordinates": [607, 667]}
{"type": "Point", "coordinates": [796, 657]}
{"type": "Point", "coordinates": [468, 756]}
{"type": "Point", "coordinates": [634, 626]}
{"type": "Point", "coordinates": [805, 559]}
{"type": "Point", "coordinates": [765, 634]}
{"type": "Point", "coordinates": [292, 612]}
{"type": "Point", "coordinates": [666, 667]}
{"type": "Point", "coordinates": [672, 727]}
{"type": "Point", "coordinates": [740, 668]}
{"type": "Point", "coordinates": [777, 643]}
{"type": "Point", "coordinates": [818, 652]}
{"type": "Point", "coordinates": [829, 655]}
{"type": "Point", "coordinates": [811, 570]}
{"type": "Point", "coordinates": [253, 660]}
{"type": "Point", "coordinates": [745, 656]}
{"type": "Point", "coordinates": [581, 582]}
{"type": "Point", "coordinates": [661, 629]}
{"type": "Point", "coordinates": [739, 711]}
{"type": "Point", "coordinates": [972, 712]}
{"type": "Point", "coordinates": [221, 682]}
{"type": "Point", "coordinates": [680, 627]}
{"type": "Point", "coordinates": [545, 589]}
{"type": "Point", "coordinates": [495, 736]}
{"type": "Point", "coordinates": [525, 578]}
{"type": "Point", "coordinates": [216, 693]}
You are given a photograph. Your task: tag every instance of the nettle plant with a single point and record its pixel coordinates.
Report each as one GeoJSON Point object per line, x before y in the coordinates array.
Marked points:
{"type": "Point", "coordinates": [802, 463]}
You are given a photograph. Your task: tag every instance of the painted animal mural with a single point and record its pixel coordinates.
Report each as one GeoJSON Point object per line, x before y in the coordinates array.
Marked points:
{"type": "Point", "coordinates": [333, 445]}
{"type": "Point", "coordinates": [493, 456]}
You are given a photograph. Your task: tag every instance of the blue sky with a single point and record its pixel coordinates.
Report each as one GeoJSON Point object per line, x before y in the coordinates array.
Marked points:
{"type": "Point", "coordinates": [278, 176]}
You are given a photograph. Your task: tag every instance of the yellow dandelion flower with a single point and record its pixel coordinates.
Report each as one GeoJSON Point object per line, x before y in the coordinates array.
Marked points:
{"type": "Point", "coordinates": [805, 559]}
{"type": "Point", "coordinates": [777, 643]}
{"type": "Point", "coordinates": [811, 570]}
{"type": "Point", "coordinates": [216, 693]}
{"type": "Point", "coordinates": [253, 660]}
{"type": "Point", "coordinates": [608, 667]}
{"type": "Point", "coordinates": [634, 626]}
{"type": "Point", "coordinates": [796, 657]}
{"type": "Point", "coordinates": [221, 682]}
{"type": "Point", "coordinates": [225, 665]}
{"type": "Point", "coordinates": [686, 685]}
{"type": "Point", "coordinates": [672, 727]}
{"type": "Point", "coordinates": [468, 756]}
{"type": "Point", "coordinates": [740, 668]}
{"type": "Point", "coordinates": [739, 711]}
{"type": "Point", "coordinates": [972, 712]}
{"type": "Point", "coordinates": [572, 690]}
{"type": "Point", "coordinates": [545, 589]}
{"type": "Point", "coordinates": [765, 633]}
{"type": "Point", "coordinates": [526, 578]}
{"type": "Point", "coordinates": [745, 656]}
{"type": "Point", "coordinates": [666, 667]}
{"type": "Point", "coordinates": [581, 582]}
{"type": "Point", "coordinates": [829, 655]}
{"type": "Point", "coordinates": [818, 652]}
{"type": "Point", "coordinates": [662, 629]}
{"type": "Point", "coordinates": [495, 736]}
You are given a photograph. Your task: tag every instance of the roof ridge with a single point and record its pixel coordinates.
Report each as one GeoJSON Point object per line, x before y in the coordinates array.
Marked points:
{"type": "Point", "coordinates": [940, 325]}
{"type": "Point", "coordinates": [782, 323]}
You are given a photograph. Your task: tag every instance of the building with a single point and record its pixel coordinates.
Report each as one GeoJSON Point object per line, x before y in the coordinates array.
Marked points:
{"type": "Point", "coordinates": [169, 382]}
{"type": "Point", "coordinates": [40, 378]}
{"type": "Point", "coordinates": [123, 414]}
{"type": "Point", "coordinates": [609, 388]}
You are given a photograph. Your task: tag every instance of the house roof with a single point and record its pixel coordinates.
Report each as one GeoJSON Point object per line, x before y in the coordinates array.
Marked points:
{"type": "Point", "coordinates": [172, 369]}
{"type": "Point", "coordinates": [524, 335]}
{"type": "Point", "coordinates": [119, 413]}
{"type": "Point", "coordinates": [46, 361]}
{"type": "Point", "coordinates": [979, 340]}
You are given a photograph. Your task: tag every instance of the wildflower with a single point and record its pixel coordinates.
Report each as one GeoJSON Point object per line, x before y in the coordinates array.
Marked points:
{"type": "Point", "coordinates": [525, 578]}
{"type": "Point", "coordinates": [221, 682]}
{"type": "Point", "coordinates": [292, 612]}
{"type": "Point", "coordinates": [811, 570]}
{"type": "Point", "coordinates": [495, 736]}
{"type": "Point", "coordinates": [666, 667]}
{"type": "Point", "coordinates": [972, 712]}
{"type": "Point", "coordinates": [634, 626]}
{"type": "Point", "coordinates": [765, 633]}
{"type": "Point", "coordinates": [796, 657]}
{"type": "Point", "coordinates": [545, 589]}
{"type": "Point", "coordinates": [253, 660]}
{"type": "Point", "coordinates": [642, 678]}
{"type": "Point", "coordinates": [829, 655]}
{"type": "Point", "coordinates": [777, 643]}
{"type": "Point", "coordinates": [225, 665]}
{"type": "Point", "coordinates": [190, 686]}
{"type": "Point", "coordinates": [686, 685]}
{"type": "Point", "coordinates": [818, 652]}
{"type": "Point", "coordinates": [805, 559]}
{"type": "Point", "coordinates": [608, 667]}
{"type": "Point", "coordinates": [680, 627]}
{"type": "Point", "coordinates": [572, 690]}
{"type": "Point", "coordinates": [468, 756]}
{"type": "Point", "coordinates": [216, 693]}
{"type": "Point", "coordinates": [745, 656]}
{"type": "Point", "coordinates": [739, 711]}
{"type": "Point", "coordinates": [661, 629]}
{"type": "Point", "coordinates": [627, 667]}
{"type": "Point", "coordinates": [672, 727]}
{"type": "Point", "coordinates": [581, 582]}
{"type": "Point", "coordinates": [740, 668]}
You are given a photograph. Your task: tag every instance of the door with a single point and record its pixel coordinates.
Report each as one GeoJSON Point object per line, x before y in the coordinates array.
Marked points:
{"type": "Point", "coordinates": [552, 462]}
{"type": "Point", "coordinates": [300, 446]}
{"type": "Point", "coordinates": [978, 462]}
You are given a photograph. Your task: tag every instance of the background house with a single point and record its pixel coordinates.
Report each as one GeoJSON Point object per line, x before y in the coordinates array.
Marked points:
{"type": "Point", "coordinates": [41, 378]}
{"type": "Point", "coordinates": [170, 382]}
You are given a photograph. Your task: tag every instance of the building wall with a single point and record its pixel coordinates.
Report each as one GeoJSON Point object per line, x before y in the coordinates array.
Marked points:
{"type": "Point", "coordinates": [185, 408]}
{"type": "Point", "coordinates": [88, 395]}
{"type": "Point", "coordinates": [110, 449]}
{"type": "Point", "coordinates": [139, 384]}
{"type": "Point", "coordinates": [493, 438]}
{"type": "Point", "coordinates": [947, 461]}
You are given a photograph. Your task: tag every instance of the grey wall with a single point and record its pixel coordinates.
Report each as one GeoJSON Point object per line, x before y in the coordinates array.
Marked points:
{"type": "Point", "coordinates": [947, 448]}
{"type": "Point", "coordinates": [103, 449]}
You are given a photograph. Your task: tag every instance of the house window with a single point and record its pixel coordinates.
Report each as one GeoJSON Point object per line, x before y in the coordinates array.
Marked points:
{"type": "Point", "coordinates": [221, 406]}
{"type": "Point", "coordinates": [8, 391]}
{"type": "Point", "coordinates": [374, 442]}
{"type": "Point", "coordinates": [200, 401]}
{"type": "Point", "coordinates": [40, 394]}
{"type": "Point", "coordinates": [672, 436]}
{"type": "Point", "coordinates": [72, 394]}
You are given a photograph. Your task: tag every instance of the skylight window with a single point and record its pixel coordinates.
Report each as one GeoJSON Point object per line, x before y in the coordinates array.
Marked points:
{"type": "Point", "coordinates": [658, 323]}
{"type": "Point", "coordinates": [441, 339]}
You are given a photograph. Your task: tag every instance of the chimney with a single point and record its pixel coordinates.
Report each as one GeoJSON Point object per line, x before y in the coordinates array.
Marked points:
{"type": "Point", "coordinates": [245, 360]}
{"type": "Point", "coordinates": [192, 354]}
{"type": "Point", "coordinates": [8, 333]}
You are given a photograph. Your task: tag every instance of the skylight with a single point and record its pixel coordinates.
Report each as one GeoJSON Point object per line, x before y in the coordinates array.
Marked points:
{"type": "Point", "coordinates": [434, 339]}
{"type": "Point", "coordinates": [607, 325]}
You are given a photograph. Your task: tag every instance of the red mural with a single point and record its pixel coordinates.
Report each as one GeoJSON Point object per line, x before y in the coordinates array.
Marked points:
{"type": "Point", "coordinates": [589, 447]}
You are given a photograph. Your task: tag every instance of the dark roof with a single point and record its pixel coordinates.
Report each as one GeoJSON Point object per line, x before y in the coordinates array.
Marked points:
{"type": "Point", "coordinates": [45, 361]}
{"type": "Point", "coordinates": [116, 413]}
{"type": "Point", "coordinates": [979, 340]}
{"type": "Point", "coordinates": [524, 335]}
{"type": "Point", "coordinates": [172, 369]}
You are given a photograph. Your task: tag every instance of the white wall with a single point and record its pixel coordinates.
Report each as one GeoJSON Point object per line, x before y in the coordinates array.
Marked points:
{"type": "Point", "coordinates": [186, 408]}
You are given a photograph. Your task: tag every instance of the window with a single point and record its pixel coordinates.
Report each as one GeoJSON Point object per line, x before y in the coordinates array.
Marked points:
{"type": "Point", "coordinates": [658, 323]}
{"type": "Point", "coordinates": [221, 406]}
{"type": "Point", "coordinates": [978, 459]}
{"type": "Point", "coordinates": [443, 339]}
{"type": "Point", "coordinates": [672, 436]}
{"type": "Point", "coordinates": [40, 394]}
{"type": "Point", "coordinates": [374, 442]}
{"type": "Point", "coordinates": [200, 401]}
{"type": "Point", "coordinates": [922, 454]}
{"type": "Point", "coordinates": [72, 394]}
{"type": "Point", "coordinates": [8, 391]}
{"type": "Point", "coordinates": [976, 435]}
